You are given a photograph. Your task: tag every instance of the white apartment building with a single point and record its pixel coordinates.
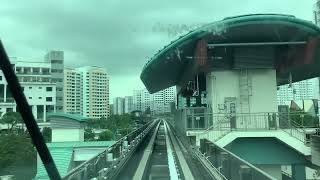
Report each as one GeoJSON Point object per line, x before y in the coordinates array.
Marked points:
{"type": "Point", "coordinates": [118, 105]}
{"type": "Point", "coordinates": [122, 105]}
{"type": "Point", "coordinates": [36, 81]}
{"type": "Point", "coordinates": [158, 102]}
{"type": "Point", "coordinates": [87, 91]}
{"type": "Point", "coordinates": [72, 91]}
{"type": "Point", "coordinates": [137, 104]}
{"type": "Point", "coordinates": [302, 90]}
{"type": "Point", "coordinates": [128, 104]}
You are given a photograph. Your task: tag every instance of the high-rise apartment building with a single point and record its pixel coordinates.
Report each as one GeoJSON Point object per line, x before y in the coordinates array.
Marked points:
{"type": "Point", "coordinates": [72, 91]}
{"type": "Point", "coordinates": [122, 105]}
{"type": "Point", "coordinates": [137, 99]}
{"type": "Point", "coordinates": [158, 102]}
{"type": "Point", "coordinates": [87, 91]}
{"type": "Point", "coordinates": [118, 105]}
{"type": "Point", "coordinates": [56, 60]}
{"type": "Point", "coordinates": [302, 90]}
{"type": "Point", "coordinates": [128, 104]}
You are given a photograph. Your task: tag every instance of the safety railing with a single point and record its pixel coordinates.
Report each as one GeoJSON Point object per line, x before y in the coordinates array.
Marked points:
{"type": "Point", "coordinates": [215, 125]}
{"type": "Point", "coordinates": [230, 165]}
{"type": "Point", "coordinates": [293, 130]}
{"type": "Point", "coordinates": [107, 164]}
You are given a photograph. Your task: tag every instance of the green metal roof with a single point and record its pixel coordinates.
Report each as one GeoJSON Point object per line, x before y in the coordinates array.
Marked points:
{"type": "Point", "coordinates": [164, 69]}
{"type": "Point", "coordinates": [62, 159]}
{"type": "Point", "coordinates": [76, 117]}
{"type": "Point", "coordinates": [62, 155]}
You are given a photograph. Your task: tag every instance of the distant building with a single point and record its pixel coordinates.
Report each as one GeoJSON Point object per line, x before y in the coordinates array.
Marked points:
{"type": "Point", "coordinates": [302, 90]}
{"type": "Point", "coordinates": [111, 109]}
{"type": "Point", "coordinates": [87, 91]}
{"type": "Point", "coordinates": [128, 104]}
{"type": "Point", "coordinates": [159, 102]}
{"type": "Point", "coordinates": [118, 105]}
{"type": "Point", "coordinates": [56, 60]}
{"type": "Point", "coordinates": [122, 105]}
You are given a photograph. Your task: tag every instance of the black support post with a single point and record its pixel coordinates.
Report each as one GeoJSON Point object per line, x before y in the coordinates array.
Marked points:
{"type": "Point", "coordinates": [27, 116]}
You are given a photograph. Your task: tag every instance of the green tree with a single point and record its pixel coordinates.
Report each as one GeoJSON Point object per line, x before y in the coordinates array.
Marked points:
{"type": "Point", "coordinates": [18, 156]}
{"type": "Point", "coordinates": [11, 119]}
{"type": "Point", "coordinates": [106, 135]}
{"type": "Point", "coordinates": [47, 134]}
{"type": "Point", "coordinates": [89, 135]}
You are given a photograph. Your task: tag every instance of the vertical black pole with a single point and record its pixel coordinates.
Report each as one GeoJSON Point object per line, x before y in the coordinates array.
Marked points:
{"type": "Point", "coordinates": [27, 116]}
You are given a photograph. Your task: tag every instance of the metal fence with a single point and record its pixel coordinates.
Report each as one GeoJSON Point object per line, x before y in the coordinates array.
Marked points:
{"type": "Point", "coordinates": [231, 166]}
{"type": "Point", "coordinates": [218, 124]}
{"type": "Point", "coordinates": [105, 164]}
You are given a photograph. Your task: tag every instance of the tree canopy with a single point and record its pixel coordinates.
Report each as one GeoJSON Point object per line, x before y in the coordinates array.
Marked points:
{"type": "Point", "coordinates": [18, 156]}
{"type": "Point", "coordinates": [118, 125]}
{"type": "Point", "coordinates": [106, 135]}
{"type": "Point", "coordinates": [89, 135]}
{"type": "Point", "coordinates": [11, 119]}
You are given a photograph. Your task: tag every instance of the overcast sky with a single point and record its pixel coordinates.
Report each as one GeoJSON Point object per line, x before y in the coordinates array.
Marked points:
{"type": "Point", "coordinates": [118, 35]}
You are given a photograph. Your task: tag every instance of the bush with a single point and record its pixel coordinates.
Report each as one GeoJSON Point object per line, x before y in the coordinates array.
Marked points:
{"type": "Point", "coordinates": [106, 135]}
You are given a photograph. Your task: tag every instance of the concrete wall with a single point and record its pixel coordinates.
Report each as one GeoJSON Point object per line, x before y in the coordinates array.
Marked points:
{"type": "Point", "coordinates": [264, 91]}
{"type": "Point", "coordinates": [272, 170]}
{"type": "Point", "coordinates": [63, 135]}
{"type": "Point", "coordinates": [263, 96]}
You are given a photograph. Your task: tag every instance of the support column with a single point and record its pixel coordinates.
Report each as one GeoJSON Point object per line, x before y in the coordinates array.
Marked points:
{"type": "Point", "coordinates": [5, 93]}
{"type": "Point", "coordinates": [44, 113]}
{"type": "Point", "coordinates": [298, 172]}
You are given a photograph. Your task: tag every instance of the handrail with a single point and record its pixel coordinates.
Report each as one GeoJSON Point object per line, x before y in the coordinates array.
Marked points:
{"type": "Point", "coordinates": [220, 151]}
{"type": "Point", "coordinates": [216, 125]}
{"type": "Point", "coordinates": [120, 149]}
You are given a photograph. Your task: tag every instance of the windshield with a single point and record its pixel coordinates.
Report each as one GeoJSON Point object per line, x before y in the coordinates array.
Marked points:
{"type": "Point", "coordinates": [159, 90]}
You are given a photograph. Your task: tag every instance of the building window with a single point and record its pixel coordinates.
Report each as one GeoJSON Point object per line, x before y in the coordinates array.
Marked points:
{"type": "Point", "coordinates": [40, 97]}
{"type": "Point", "coordinates": [49, 99]}
{"type": "Point", "coordinates": [30, 97]}
{"type": "Point", "coordinates": [40, 87]}
{"type": "Point", "coordinates": [48, 88]}
{"type": "Point", "coordinates": [30, 87]}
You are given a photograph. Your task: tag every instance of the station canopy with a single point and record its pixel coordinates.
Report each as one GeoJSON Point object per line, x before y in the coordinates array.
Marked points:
{"type": "Point", "coordinates": [259, 41]}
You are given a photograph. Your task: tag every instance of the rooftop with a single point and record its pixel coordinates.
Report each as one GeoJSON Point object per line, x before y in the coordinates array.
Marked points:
{"type": "Point", "coordinates": [62, 153]}
{"type": "Point", "coordinates": [75, 117]}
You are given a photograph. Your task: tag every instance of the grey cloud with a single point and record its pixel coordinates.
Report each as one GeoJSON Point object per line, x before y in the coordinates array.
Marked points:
{"type": "Point", "coordinates": [117, 35]}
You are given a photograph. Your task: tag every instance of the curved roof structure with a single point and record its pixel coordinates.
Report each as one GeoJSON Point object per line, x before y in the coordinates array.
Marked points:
{"type": "Point", "coordinates": [294, 44]}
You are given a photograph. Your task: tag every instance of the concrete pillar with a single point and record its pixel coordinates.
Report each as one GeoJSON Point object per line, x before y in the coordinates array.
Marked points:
{"type": "Point", "coordinates": [298, 172]}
